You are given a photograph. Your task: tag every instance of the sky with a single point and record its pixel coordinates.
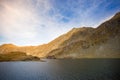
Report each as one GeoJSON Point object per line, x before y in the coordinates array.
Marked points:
{"type": "Point", "coordinates": [35, 22]}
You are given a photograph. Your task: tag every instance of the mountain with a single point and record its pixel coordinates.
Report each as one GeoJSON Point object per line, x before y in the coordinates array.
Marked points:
{"type": "Point", "coordinates": [10, 52]}
{"type": "Point", "coordinates": [6, 48]}
{"type": "Point", "coordinates": [100, 42]}
{"type": "Point", "coordinates": [85, 42]}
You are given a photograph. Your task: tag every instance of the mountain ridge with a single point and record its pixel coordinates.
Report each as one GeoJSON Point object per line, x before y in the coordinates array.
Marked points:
{"type": "Point", "coordinates": [85, 42]}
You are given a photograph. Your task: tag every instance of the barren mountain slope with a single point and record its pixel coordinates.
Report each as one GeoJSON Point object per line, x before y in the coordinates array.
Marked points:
{"type": "Point", "coordinates": [86, 42]}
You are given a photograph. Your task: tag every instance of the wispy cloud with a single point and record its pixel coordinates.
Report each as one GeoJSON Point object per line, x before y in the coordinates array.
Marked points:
{"type": "Point", "coordinates": [33, 22]}
{"type": "Point", "coordinates": [27, 22]}
{"type": "Point", "coordinates": [17, 22]}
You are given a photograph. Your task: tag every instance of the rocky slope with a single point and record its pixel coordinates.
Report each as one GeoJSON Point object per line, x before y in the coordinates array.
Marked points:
{"type": "Point", "coordinates": [86, 42]}
{"type": "Point", "coordinates": [101, 42]}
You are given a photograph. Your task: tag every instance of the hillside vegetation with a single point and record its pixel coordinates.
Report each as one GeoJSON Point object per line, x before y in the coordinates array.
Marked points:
{"type": "Point", "coordinates": [17, 56]}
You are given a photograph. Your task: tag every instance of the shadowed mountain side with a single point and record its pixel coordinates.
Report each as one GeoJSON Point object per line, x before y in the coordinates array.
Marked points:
{"type": "Point", "coordinates": [86, 42]}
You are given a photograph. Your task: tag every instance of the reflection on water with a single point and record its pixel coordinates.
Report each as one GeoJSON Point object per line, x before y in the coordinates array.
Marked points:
{"type": "Point", "coordinates": [67, 69]}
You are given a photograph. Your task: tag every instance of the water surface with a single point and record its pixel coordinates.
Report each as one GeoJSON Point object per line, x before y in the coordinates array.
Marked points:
{"type": "Point", "coordinates": [66, 69]}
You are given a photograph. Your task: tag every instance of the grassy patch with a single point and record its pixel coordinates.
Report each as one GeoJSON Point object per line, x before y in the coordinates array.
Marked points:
{"type": "Point", "coordinates": [17, 56]}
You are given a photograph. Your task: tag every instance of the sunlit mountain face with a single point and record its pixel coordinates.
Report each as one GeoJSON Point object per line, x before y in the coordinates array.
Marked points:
{"type": "Point", "coordinates": [85, 42]}
{"type": "Point", "coordinates": [35, 22]}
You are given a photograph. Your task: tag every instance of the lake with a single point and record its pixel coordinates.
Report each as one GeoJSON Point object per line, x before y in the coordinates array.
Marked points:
{"type": "Point", "coordinates": [64, 69]}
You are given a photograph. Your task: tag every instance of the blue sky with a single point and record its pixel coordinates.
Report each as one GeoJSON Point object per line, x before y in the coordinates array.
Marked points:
{"type": "Point", "coordinates": [35, 22]}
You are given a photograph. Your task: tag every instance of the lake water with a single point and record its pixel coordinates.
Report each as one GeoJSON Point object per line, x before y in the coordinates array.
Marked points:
{"type": "Point", "coordinates": [66, 69]}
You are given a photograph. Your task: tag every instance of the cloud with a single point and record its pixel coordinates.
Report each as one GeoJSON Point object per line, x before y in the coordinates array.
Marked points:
{"type": "Point", "coordinates": [16, 22]}
{"type": "Point", "coordinates": [21, 22]}
{"type": "Point", "coordinates": [33, 22]}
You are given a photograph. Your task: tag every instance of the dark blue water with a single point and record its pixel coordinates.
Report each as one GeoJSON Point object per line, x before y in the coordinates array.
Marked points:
{"type": "Point", "coordinates": [67, 69]}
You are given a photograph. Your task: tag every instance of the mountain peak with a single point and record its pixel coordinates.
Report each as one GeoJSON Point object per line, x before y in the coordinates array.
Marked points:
{"type": "Point", "coordinates": [116, 16]}
{"type": "Point", "coordinates": [73, 30]}
{"type": "Point", "coordinates": [8, 45]}
{"type": "Point", "coordinates": [118, 13]}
